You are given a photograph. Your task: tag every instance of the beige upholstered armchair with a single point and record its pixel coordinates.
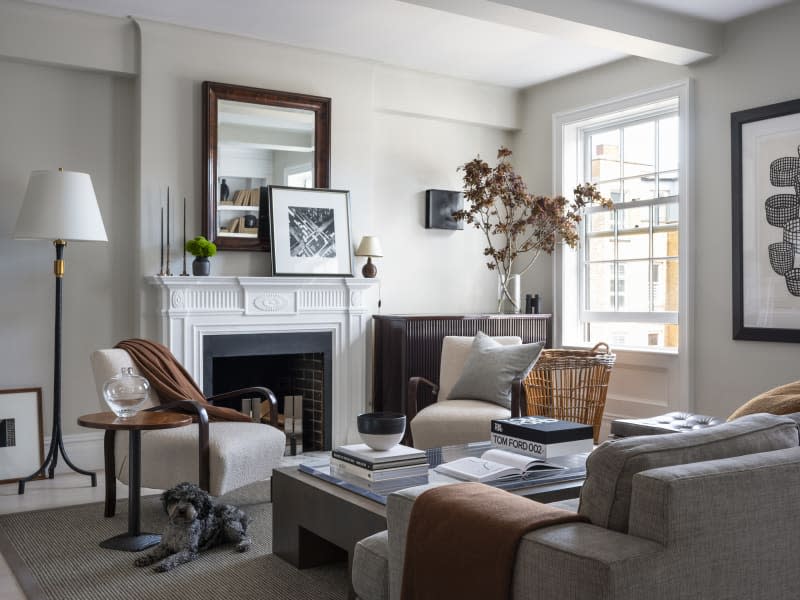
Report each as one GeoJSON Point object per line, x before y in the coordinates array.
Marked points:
{"type": "Point", "coordinates": [237, 453]}
{"type": "Point", "coordinates": [449, 421]}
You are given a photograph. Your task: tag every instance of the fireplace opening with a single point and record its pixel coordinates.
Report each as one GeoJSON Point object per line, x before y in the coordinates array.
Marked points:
{"type": "Point", "coordinates": [295, 366]}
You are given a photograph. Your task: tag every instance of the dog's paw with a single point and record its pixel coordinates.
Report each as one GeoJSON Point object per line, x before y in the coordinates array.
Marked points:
{"type": "Point", "coordinates": [243, 546]}
{"type": "Point", "coordinates": [143, 561]}
{"type": "Point", "coordinates": [161, 568]}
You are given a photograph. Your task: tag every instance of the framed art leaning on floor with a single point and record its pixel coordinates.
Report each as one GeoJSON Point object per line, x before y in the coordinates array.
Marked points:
{"type": "Point", "coordinates": [21, 437]}
{"type": "Point", "coordinates": [310, 231]}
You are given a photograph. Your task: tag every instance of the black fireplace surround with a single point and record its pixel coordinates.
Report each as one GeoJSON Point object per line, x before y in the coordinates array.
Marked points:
{"type": "Point", "coordinates": [233, 361]}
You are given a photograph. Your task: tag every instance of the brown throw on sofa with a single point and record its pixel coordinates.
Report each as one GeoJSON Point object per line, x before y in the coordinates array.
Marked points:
{"type": "Point", "coordinates": [462, 541]}
{"type": "Point", "coordinates": [170, 380]}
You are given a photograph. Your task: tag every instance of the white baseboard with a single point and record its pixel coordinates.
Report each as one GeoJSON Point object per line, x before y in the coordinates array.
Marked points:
{"type": "Point", "coordinates": [85, 451]}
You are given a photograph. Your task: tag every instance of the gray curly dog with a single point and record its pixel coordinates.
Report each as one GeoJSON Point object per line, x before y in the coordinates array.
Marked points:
{"type": "Point", "coordinates": [195, 524]}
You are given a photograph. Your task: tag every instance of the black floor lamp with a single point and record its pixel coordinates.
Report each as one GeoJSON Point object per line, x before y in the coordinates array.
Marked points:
{"type": "Point", "coordinates": [59, 206]}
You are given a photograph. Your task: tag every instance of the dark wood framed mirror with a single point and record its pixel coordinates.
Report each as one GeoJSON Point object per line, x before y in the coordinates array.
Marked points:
{"type": "Point", "coordinates": [253, 138]}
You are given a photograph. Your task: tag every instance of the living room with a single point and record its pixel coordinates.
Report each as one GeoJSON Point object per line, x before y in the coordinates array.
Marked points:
{"type": "Point", "coordinates": [120, 98]}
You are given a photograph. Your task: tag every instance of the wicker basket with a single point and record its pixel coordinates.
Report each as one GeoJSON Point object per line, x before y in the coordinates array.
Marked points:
{"type": "Point", "coordinates": [570, 385]}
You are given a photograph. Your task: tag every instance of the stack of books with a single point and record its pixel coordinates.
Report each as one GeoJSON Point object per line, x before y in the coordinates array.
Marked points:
{"type": "Point", "coordinates": [380, 471]}
{"type": "Point", "coordinates": [542, 437]}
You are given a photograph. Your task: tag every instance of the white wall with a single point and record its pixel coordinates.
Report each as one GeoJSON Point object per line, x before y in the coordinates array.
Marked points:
{"type": "Point", "coordinates": [386, 149]}
{"type": "Point", "coordinates": [81, 121]}
{"type": "Point", "coordinates": [66, 102]}
{"type": "Point", "coordinates": [758, 67]}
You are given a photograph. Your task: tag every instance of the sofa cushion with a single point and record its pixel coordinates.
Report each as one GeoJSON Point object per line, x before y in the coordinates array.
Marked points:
{"type": "Point", "coordinates": [491, 367]}
{"type": "Point", "coordinates": [371, 567]}
{"type": "Point", "coordinates": [606, 494]}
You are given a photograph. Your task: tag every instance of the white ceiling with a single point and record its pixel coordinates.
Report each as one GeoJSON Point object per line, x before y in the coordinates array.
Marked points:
{"type": "Point", "coordinates": [513, 43]}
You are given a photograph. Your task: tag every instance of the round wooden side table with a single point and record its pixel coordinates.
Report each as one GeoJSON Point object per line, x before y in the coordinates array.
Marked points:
{"type": "Point", "coordinates": [134, 540]}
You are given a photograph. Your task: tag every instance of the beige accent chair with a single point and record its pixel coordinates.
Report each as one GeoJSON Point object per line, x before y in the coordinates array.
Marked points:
{"type": "Point", "coordinates": [239, 453]}
{"type": "Point", "coordinates": [449, 422]}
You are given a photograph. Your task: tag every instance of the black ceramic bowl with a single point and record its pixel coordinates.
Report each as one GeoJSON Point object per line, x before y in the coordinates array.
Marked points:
{"type": "Point", "coordinates": [381, 430]}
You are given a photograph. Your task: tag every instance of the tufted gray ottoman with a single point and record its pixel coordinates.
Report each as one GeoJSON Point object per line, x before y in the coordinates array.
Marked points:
{"type": "Point", "coordinates": [674, 422]}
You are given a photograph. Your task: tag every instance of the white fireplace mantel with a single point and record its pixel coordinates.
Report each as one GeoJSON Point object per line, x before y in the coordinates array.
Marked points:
{"type": "Point", "coordinates": [193, 307]}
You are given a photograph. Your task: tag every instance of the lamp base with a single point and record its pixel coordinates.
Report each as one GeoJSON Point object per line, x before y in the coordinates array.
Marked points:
{"type": "Point", "coordinates": [369, 270]}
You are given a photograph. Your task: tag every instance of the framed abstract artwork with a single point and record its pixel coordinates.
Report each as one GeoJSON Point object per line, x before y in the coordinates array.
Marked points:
{"type": "Point", "coordinates": [765, 154]}
{"type": "Point", "coordinates": [439, 208]}
{"type": "Point", "coordinates": [310, 231]}
{"type": "Point", "coordinates": [21, 437]}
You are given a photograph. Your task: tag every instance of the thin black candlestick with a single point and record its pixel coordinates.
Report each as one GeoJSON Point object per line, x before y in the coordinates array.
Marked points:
{"type": "Point", "coordinates": [185, 272]}
{"type": "Point", "coordinates": [161, 270]}
{"type": "Point", "coordinates": [169, 273]}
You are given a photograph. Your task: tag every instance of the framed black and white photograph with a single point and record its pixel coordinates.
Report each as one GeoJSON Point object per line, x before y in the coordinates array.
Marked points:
{"type": "Point", "coordinates": [21, 437]}
{"type": "Point", "coordinates": [439, 208]}
{"type": "Point", "coordinates": [310, 231]}
{"type": "Point", "coordinates": [765, 153]}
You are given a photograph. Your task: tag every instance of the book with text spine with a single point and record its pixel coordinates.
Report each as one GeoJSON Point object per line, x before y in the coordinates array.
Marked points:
{"type": "Point", "coordinates": [378, 474]}
{"type": "Point", "coordinates": [364, 456]}
{"type": "Point", "coordinates": [406, 462]}
{"type": "Point", "coordinates": [384, 487]}
{"type": "Point", "coordinates": [537, 450]}
{"type": "Point", "coordinates": [542, 430]}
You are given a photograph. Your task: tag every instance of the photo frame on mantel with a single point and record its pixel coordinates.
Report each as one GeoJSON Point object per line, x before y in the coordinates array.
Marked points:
{"type": "Point", "coordinates": [310, 231]}
{"type": "Point", "coordinates": [21, 435]}
{"type": "Point", "coordinates": [765, 154]}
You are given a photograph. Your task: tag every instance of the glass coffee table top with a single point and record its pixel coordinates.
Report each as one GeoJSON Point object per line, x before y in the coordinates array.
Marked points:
{"type": "Point", "coordinates": [574, 469]}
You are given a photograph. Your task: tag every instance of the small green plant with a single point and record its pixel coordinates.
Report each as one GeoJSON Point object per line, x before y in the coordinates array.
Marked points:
{"type": "Point", "coordinates": [201, 247]}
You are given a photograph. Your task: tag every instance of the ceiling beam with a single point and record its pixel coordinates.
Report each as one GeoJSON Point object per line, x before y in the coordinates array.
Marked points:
{"type": "Point", "coordinates": [635, 29]}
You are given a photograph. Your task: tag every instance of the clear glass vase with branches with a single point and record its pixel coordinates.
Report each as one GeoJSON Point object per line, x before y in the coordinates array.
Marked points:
{"type": "Point", "coordinates": [519, 226]}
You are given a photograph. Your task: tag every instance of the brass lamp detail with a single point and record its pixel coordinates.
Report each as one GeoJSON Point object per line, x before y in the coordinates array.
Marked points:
{"type": "Point", "coordinates": [370, 246]}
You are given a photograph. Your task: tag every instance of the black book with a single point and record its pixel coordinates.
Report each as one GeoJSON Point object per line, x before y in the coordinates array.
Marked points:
{"type": "Point", "coordinates": [542, 430]}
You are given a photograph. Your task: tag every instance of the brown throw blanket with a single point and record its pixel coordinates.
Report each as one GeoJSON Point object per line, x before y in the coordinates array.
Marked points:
{"type": "Point", "coordinates": [782, 400]}
{"type": "Point", "coordinates": [463, 538]}
{"type": "Point", "coordinates": [170, 380]}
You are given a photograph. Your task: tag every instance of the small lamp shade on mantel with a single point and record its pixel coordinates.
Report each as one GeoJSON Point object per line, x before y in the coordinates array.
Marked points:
{"type": "Point", "coordinates": [370, 247]}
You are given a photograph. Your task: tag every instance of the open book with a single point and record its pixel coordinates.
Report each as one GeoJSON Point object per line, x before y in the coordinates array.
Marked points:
{"type": "Point", "coordinates": [493, 465]}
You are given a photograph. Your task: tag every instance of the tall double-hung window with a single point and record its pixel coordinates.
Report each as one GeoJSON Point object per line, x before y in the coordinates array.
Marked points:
{"type": "Point", "coordinates": [623, 284]}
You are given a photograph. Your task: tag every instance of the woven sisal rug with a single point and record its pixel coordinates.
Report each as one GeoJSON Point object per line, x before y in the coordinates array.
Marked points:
{"type": "Point", "coordinates": [57, 552]}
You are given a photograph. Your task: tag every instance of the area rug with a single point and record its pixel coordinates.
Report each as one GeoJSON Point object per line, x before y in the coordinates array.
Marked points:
{"type": "Point", "coordinates": [55, 555]}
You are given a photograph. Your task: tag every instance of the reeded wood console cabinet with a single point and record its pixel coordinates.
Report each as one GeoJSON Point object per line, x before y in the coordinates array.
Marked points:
{"type": "Point", "coordinates": [411, 346]}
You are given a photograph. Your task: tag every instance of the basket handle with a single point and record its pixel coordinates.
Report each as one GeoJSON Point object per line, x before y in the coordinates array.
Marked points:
{"type": "Point", "coordinates": [600, 345]}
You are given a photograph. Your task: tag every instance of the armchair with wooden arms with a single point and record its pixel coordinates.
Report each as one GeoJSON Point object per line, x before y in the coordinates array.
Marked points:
{"type": "Point", "coordinates": [446, 421]}
{"type": "Point", "coordinates": [219, 456]}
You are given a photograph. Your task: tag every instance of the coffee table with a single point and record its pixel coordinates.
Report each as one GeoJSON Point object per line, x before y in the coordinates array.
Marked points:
{"type": "Point", "coordinates": [316, 521]}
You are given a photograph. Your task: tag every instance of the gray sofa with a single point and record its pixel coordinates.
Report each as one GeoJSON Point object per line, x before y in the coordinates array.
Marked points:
{"type": "Point", "coordinates": [707, 514]}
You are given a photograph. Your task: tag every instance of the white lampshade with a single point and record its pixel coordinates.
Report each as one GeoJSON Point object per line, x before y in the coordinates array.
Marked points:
{"type": "Point", "coordinates": [60, 205]}
{"type": "Point", "coordinates": [369, 246]}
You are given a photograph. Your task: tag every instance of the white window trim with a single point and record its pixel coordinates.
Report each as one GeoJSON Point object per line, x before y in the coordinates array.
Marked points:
{"type": "Point", "coordinates": [561, 121]}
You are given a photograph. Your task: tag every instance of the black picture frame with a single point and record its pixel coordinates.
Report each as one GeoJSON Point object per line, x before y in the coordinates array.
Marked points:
{"type": "Point", "coordinates": [439, 208]}
{"type": "Point", "coordinates": [310, 232]}
{"type": "Point", "coordinates": [765, 157]}
{"type": "Point", "coordinates": [21, 433]}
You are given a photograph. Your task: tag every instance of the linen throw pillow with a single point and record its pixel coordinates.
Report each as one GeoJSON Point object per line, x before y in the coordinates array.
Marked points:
{"type": "Point", "coordinates": [491, 367]}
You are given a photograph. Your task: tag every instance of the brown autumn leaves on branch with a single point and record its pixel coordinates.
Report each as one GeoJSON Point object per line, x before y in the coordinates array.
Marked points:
{"type": "Point", "coordinates": [516, 222]}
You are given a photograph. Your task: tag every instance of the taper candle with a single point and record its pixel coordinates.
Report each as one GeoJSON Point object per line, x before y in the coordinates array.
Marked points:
{"type": "Point", "coordinates": [184, 272]}
{"type": "Point", "coordinates": [161, 231]}
{"type": "Point", "coordinates": [168, 271]}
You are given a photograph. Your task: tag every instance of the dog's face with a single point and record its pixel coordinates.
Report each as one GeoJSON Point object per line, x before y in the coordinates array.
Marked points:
{"type": "Point", "coordinates": [186, 502]}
